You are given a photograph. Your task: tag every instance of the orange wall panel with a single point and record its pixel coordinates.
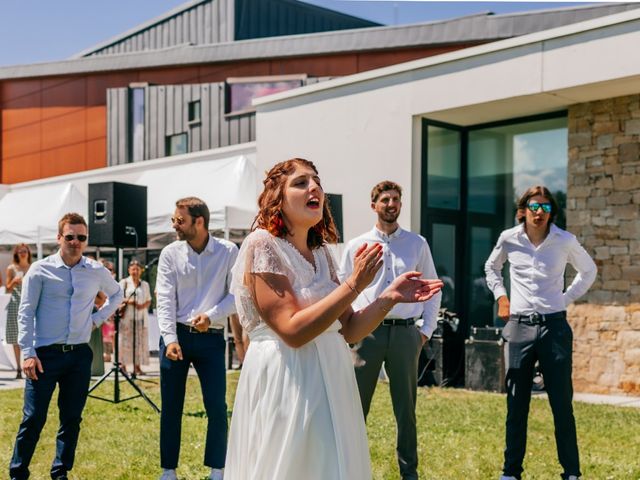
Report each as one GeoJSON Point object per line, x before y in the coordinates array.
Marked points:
{"type": "Point", "coordinates": [96, 122]}
{"type": "Point", "coordinates": [96, 153]}
{"type": "Point", "coordinates": [21, 141]}
{"type": "Point", "coordinates": [18, 117]}
{"type": "Point", "coordinates": [21, 169]}
{"type": "Point", "coordinates": [60, 161]}
{"type": "Point", "coordinates": [65, 130]}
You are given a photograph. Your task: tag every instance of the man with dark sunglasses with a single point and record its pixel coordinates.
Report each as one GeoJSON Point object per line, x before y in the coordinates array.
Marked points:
{"type": "Point", "coordinates": [537, 329]}
{"type": "Point", "coordinates": [55, 320]}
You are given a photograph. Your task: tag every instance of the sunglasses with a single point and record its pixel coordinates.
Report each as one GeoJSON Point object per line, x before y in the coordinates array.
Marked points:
{"type": "Point", "coordinates": [178, 220]}
{"type": "Point", "coordinates": [535, 206]}
{"type": "Point", "coordinates": [71, 238]}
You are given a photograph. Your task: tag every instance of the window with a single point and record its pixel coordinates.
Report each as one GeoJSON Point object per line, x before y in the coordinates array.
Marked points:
{"type": "Point", "coordinates": [241, 91]}
{"type": "Point", "coordinates": [472, 178]}
{"type": "Point", "coordinates": [177, 144]}
{"type": "Point", "coordinates": [136, 95]}
{"type": "Point", "coordinates": [194, 112]}
{"type": "Point", "coordinates": [505, 160]}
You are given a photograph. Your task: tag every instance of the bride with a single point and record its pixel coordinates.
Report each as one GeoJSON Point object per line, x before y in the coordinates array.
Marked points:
{"type": "Point", "coordinates": [297, 413]}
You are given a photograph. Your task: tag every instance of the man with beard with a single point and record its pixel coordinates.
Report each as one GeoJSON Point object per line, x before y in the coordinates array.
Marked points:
{"type": "Point", "coordinates": [396, 342]}
{"type": "Point", "coordinates": [194, 274]}
{"type": "Point", "coordinates": [55, 320]}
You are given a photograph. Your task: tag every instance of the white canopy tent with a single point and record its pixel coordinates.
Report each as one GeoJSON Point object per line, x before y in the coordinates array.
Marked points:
{"type": "Point", "coordinates": [224, 178]}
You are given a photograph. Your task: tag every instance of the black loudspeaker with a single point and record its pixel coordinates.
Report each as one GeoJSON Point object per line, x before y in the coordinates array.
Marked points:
{"type": "Point", "coordinates": [441, 360]}
{"type": "Point", "coordinates": [484, 360]}
{"type": "Point", "coordinates": [335, 205]}
{"type": "Point", "coordinates": [117, 215]}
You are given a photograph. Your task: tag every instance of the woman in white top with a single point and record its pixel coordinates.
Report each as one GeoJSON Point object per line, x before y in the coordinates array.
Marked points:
{"type": "Point", "coordinates": [297, 412]}
{"type": "Point", "coordinates": [137, 305]}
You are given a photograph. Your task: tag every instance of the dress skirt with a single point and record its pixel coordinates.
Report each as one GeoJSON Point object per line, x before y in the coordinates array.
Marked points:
{"type": "Point", "coordinates": [297, 412]}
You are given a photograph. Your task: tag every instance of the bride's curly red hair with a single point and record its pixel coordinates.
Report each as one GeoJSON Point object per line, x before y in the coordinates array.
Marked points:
{"type": "Point", "coordinates": [270, 206]}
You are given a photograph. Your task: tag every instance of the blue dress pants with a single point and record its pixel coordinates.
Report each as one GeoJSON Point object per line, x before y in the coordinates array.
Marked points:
{"type": "Point", "coordinates": [71, 371]}
{"type": "Point", "coordinates": [206, 352]}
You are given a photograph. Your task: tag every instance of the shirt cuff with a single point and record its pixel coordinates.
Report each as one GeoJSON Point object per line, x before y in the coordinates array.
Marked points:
{"type": "Point", "coordinates": [213, 314]}
{"type": "Point", "coordinates": [427, 329]}
{"type": "Point", "coordinates": [499, 292]}
{"type": "Point", "coordinates": [170, 338]}
{"type": "Point", "coordinates": [97, 319]}
{"type": "Point", "coordinates": [29, 352]}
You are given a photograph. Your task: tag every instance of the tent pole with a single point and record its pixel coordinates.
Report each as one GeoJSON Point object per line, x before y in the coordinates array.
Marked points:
{"type": "Point", "coordinates": [39, 250]}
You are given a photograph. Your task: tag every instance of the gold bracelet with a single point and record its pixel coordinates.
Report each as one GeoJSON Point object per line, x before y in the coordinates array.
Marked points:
{"type": "Point", "coordinates": [354, 289]}
{"type": "Point", "coordinates": [386, 310]}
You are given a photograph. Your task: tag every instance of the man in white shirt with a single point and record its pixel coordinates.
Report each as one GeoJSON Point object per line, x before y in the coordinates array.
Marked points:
{"type": "Point", "coordinates": [537, 328]}
{"type": "Point", "coordinates": [194, 274]}
{"type": "Point", "coordinates": [396, 342]}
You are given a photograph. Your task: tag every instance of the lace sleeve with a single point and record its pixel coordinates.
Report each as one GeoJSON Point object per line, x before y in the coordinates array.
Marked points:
{"type": "Point", "coordinates": [332, 265]}
{"type": "Point", "coordinates": [259, 253]}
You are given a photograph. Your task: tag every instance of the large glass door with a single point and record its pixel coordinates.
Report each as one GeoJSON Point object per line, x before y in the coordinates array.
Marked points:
{"type": "Point", "coordinates": [471, 179]}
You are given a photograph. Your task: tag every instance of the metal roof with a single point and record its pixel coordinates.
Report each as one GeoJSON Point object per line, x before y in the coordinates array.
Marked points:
{"type": "Point", "coordinates": [475, 28]}
{"type": "Point", "coordinates": [200, 22]}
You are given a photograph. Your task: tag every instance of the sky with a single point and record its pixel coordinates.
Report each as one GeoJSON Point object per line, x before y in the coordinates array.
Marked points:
{"type": "Point", "coordinates": [34, 31]}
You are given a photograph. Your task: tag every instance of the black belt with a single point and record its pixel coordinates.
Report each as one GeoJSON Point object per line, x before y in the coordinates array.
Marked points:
{"type": "Point", "coordinates": [539, 318]}
{"type": "Point", "coordinates": [192, 329]}
{"type": "Point", "coordinates": [398, 322]}
{"type": "Point", "coordinates": [64, 348]}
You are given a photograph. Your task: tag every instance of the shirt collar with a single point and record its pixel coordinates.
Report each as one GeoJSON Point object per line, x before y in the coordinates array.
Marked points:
{"type": "Point", "coordinates": [58, 262]}
{"type": "Point", "coordinates": [383, 236]}
{"type": "Point", "coordinates": [553, 230]}
{"type": "Point", "coordinates": [209, 248]}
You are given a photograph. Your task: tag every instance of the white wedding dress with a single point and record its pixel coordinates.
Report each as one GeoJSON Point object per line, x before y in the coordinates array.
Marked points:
{"type": "Point", "coordinates": [297, 412]}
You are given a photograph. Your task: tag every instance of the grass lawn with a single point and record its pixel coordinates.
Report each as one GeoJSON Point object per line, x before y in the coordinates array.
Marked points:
{"type": "Point", "coordinates": [460, 437]}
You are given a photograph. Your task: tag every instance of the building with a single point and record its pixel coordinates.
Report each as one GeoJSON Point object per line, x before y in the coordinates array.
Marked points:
{"type": "Point", "coordinates": [465, 133]}
{"type": "Point", "coordinates": [183, 82]}
{"type": "Point", "coordinates": [463, 113]}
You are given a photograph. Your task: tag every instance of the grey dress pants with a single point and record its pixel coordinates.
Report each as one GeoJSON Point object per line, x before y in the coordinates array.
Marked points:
{"type": "Point", "coordinates": [399, 348]}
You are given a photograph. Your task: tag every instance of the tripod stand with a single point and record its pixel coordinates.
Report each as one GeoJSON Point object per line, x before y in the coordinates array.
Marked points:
{"type": "Point", "coordinates": [117, 370]}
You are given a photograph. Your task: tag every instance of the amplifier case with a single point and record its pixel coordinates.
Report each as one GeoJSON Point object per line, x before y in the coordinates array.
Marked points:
{"type": "Point", "coordinates": [484, 360]}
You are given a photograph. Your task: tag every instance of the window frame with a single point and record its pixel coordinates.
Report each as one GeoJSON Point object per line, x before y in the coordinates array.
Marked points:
{"type": "Point", "coordinates": [230, 81]}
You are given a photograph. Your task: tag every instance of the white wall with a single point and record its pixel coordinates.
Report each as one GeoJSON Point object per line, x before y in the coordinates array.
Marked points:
{"type": "Point", "coordinates": [362, 129]}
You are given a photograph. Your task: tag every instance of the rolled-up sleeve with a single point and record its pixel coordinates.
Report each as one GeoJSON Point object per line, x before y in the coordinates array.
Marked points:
{"type": "Point", "coordinates": [493, 269]}
{"type": "Point", "coordinates": [227, 306]}
{"type": "Point", "coordinates": [114, 297]}
{"type": "Point", "coordinates": [431, 306]}
{"type": "Point", "coordinates": [586, 271]}
{"type": "Point", "coordinates": [31, 290]}
{"type": "Point", "coordinates": [166, 296]}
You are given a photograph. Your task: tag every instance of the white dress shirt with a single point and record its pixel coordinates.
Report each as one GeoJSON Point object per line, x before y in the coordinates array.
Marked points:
{"type": "Point", "coordinates": [189, 283]}
{"type": "Point", "coordinates": [537, 273]}
{"type": "Point", "coordinates": [57, 302]}
{"type": "Point", "coordinates": [402, 252]}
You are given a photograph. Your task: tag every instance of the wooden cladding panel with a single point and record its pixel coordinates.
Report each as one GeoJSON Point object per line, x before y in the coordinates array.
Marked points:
{"type": "Point", "coordinates": [21, 141]}
{"type": "Point", "coordinates": [22, 169]}
{"type": "Point", "coordinates": [63, 160]}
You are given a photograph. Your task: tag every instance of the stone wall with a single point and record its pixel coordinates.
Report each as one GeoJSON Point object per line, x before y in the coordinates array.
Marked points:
{"type": "Point", "coordinates": [603, 211]}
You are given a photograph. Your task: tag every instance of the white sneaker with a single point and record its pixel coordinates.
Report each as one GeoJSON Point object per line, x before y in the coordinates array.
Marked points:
{"type": "Point", "coordinates": [216, 474]}
{"type": "Point", "coordinates": [573, 477]}
{"type": "Point", "coordinates": [504, 477]}
{"type": "Point", "coordinates": [168, 474]}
